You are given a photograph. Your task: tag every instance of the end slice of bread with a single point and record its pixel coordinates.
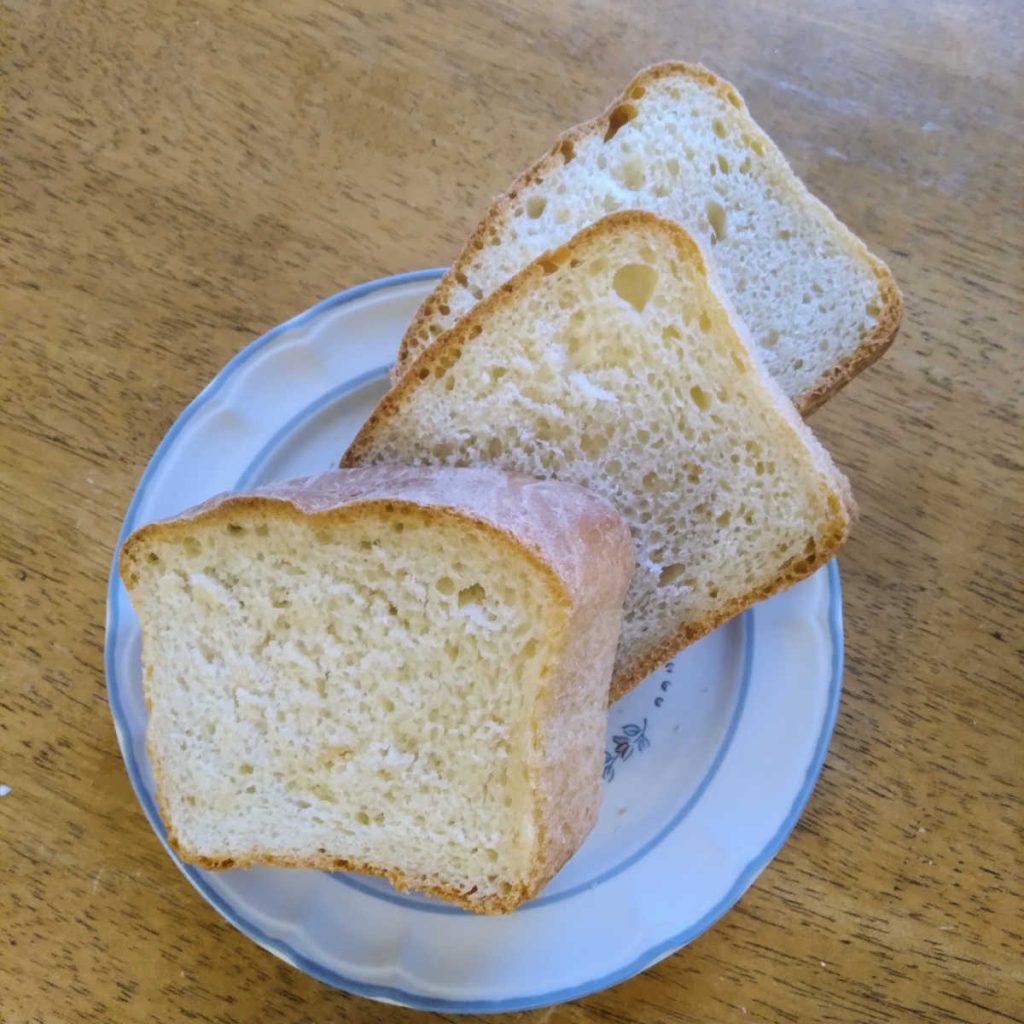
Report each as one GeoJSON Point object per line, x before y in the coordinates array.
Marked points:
{"type": "Point", "coordinates": [681, 143]}
{"type": "Point", "coordinates": [613, 362]}
{"type": "Point", "coordinates": [397, 671]}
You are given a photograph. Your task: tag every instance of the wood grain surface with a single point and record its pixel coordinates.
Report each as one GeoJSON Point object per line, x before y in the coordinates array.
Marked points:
{"type": "Point", "coordinates": [177, 177]}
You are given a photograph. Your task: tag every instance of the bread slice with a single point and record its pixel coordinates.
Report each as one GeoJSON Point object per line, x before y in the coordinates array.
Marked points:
{"type": "Point", "coordinates": [398, 671]}
{"type": "Point", "coordinates": [681, 143]}
{"type": "Point", "coordinates": [613, 362]}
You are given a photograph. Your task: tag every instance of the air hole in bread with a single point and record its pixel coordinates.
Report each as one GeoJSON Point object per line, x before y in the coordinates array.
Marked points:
{"type": "Point", "coordinates": [567, 149]}
{"type": "Point", "coordinates": [770, 340]}
{"type": "Point", "coordinates": [718, 128]}
{"type": "Point", "coordinates": [755, 144]}
{"type": "Point", "coordinates": [704, 322]}
{"type": "Point", "coordinates": [723, 163]}
{"type": "Point", "coordinates": [670, 573]}
{"type": "Point", "coordinates": [472, 595]}
{"type": "Point", "coordinates": [872, 309]}
{"type": "Point", "coordinates": [621, 115]}
{"type": "Point", "coordinates": [635, 284]}
{"type": "Point", "coordinates": [535, 206]}
{"type": "Point", "coordinates": [192, 546]}
{"type": "Point", "coordinates": [700, 397]}
{"type": "Point", "coordinates": [716, 218]}
{"type": "Point", "coordinates": [235, 528]}
{"type": "Point", "coordinates": [637, 92]}
{"type": "Point", "coordinates": [671, 333]}
{"type": "Point", "coordinates": [443, 309]}
{"type": "Point", "coordinates": [784, 234]}
{"type": "Point", "coordinates": [672, 166]}
{"type": "Point", "coordinates": [153, 557]}
{"type": "Point", "coordinates": [631, 173]}
{"type": "Point", "coordinates": [798, 364]}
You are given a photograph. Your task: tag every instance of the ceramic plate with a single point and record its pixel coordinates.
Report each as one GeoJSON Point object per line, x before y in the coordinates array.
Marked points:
{"type": "Point", "coordinates": [708, 763]}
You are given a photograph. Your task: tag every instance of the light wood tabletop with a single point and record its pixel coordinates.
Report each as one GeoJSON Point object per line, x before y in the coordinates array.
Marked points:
{"type": "Point", "coordinates": [178, 177]}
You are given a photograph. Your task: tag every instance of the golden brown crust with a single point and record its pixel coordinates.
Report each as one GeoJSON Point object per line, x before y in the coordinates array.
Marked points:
{"type": "Point", "coordinates": [869, 350]}
{"type": "Point", "coordinates": [871, 347]}
{"type": "Point", "coordinates": [837, 532]}
{"type": "Point", "coordinates": [323, 861]}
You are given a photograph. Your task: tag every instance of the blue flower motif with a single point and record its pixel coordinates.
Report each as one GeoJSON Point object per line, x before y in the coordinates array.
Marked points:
{"type": "Point", "coordinates": [609, 771]}
{"type": "Point", "coordinates": [632, 740]}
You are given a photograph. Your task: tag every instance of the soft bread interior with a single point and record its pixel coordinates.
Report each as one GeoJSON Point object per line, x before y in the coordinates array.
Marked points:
{"type": "Point", "coordinates": [613, 364]}
{"type": "Point", "coordinates": [362, 684]}
{"type": "Point", "coordinates": [683, 145]}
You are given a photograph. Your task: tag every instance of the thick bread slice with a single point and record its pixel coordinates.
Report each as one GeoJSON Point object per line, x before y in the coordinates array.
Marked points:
{"type": "Point", "coordinates": [398, 671]}
{"type": "Point", "coordinates": [681, 143]}
{"type": "Point", "coordinates": [613, 363]}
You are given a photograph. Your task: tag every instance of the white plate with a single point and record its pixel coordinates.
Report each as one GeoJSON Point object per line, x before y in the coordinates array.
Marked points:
{"type": "Point", "coordinates": [709, 762]}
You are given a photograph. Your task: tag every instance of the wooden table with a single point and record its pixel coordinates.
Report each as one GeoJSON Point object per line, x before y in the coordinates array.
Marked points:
{"type": "Point", "coordinates": [180, 176]}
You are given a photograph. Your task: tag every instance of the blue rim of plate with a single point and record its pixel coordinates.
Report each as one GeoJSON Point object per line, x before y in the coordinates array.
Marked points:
{"type": "Point", "coordinates": [387, 993]}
